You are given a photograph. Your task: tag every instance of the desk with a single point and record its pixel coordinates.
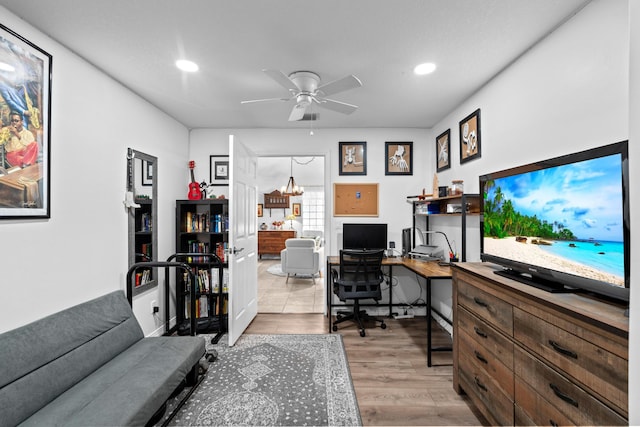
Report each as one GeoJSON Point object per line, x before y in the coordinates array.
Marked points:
{"type": "Point", "coordinates": [427, 269]}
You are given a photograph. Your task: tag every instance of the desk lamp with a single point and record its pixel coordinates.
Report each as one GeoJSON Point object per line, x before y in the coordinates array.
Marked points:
{"type": "Point", "coordinates": [453, 257]}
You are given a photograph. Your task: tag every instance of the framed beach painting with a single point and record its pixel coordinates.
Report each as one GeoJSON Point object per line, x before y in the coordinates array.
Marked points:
{"type": "Point", "coordinates": [25, 108]}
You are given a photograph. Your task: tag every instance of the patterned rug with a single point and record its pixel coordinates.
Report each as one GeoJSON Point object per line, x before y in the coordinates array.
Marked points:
{"type": "Point", "coordinates": [274, 380]}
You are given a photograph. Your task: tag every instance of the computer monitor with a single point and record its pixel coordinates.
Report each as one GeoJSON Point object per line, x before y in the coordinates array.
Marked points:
{"type": "Point", "coordinates": [364, 236]}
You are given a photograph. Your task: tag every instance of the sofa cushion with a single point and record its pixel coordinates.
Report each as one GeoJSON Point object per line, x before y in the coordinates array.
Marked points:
{"type": "Point", "coordinates": [118, 393]}
{"type": "Point", "coordinates": [45, 358]}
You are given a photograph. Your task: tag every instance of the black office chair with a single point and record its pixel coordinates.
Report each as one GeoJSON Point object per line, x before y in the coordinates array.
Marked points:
{"type": "Point", "coordinates": [359, 278]}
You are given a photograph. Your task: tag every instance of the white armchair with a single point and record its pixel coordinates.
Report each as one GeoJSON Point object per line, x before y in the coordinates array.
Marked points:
{"type": "Point", "coordinates": [301, 256]}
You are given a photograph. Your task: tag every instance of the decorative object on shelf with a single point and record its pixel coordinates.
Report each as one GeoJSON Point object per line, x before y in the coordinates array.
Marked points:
{"type": "Point", "coordinates": [353, 158]}
{"type": "Point", "coordinates": [470, 137]}
{"type": "Point", "coordinates": [457, 187]}
{"type": "Point", "coordinates": [277, 225]}
{"type": "Point", "coordinates": [219, 170]}
{"type": "Point", "coordinates": [25, 143]}
{"type": "Point", "coordinates": [276, 199]}
{"type": "Point", "coordinates": [264, 226]}
{"type": "Point", "coordinates": [399, 158]}
{"type": "Point", "coordinates": [297, 209]}
{"type": "Point", "coordinates": [443, 151]}
{"type": "Point", "coordinates": [194, 188]}
{"type": "Point", "coordinates": [260, 210]}
{"type": "Point", "coordinates": [291, 217]}
{"type": "Point", "coordinates": [292, 189]}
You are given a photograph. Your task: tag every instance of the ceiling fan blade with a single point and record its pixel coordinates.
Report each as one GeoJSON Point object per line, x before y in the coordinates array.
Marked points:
{"type": "Point", "coordinates": [251, 101]}
{"type": "Point", "coordinates": [340, 107]}
{"type": "Point", "coordinates": [281, 79]}
{"type": "Point", "coordinates": [345, 83]}
{"type": "Point", "coordinates": [297, 113]}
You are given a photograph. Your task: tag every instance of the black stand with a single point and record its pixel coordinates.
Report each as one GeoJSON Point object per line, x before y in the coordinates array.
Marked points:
{"type": "Point", "coordinates": [536, 282]}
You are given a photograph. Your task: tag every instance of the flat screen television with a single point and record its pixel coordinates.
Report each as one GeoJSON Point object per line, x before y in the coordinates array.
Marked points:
{"type": "Point", "coordinates": [561, 224]}
{"type": "Point", "coordinates": [364, 236]}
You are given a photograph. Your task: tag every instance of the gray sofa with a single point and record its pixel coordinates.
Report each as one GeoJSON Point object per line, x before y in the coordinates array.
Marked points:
{"type": "Point", "coordinates": [91, 365]}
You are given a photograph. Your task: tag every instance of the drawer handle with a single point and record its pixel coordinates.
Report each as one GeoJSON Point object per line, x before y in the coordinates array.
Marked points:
{"type": "Point", "coordinates": [480, 357]}
{"type": "Point", "coordinates": [557, 347]}
{"type": "Point", "coordinates": [480, 302]}
{"type": "Point", "coordinates": [562, 395]}
{"type": "Point", "coordinates": [479, 384]}
{"type": "Point", "coordinates": [480, 332]}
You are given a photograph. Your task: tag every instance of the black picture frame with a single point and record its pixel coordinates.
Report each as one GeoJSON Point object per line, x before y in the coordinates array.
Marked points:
{"type": "Point", "coordinates": [25, 160]}
{"type": "Point", "coordinates": [147, 174]}
{"type": "Point", "coordinates": [470, 138]}
{"type": "Point", "coordinates": [219, 170]}
{"type": "Point", "coordinates": [353, 158]}
{"type": "Point", "coordinates": [398, 158]}
{"type": "Point", "coordinates": [443, 151]}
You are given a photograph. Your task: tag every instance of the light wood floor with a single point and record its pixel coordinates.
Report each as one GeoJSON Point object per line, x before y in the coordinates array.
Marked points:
{"type": "Point", "coordinates": [389, 369]}
{"type": "Point", "coordinates": [275, 295]}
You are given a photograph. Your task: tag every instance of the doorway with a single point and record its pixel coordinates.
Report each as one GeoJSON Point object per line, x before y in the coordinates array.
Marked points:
{"type": "Point", "coordinates": [299, 295]}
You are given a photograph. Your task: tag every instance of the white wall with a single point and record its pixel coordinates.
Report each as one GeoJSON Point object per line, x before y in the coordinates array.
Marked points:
{"type": "Point", "coordinates": [81, 251]}
{"type": "Point", "coordinates": [634, 156]}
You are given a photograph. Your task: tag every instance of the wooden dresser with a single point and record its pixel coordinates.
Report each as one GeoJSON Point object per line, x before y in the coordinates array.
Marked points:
{"type": "Point", "coordinates": [272, 241]}
{"type": "Point", "coordinates": [528, 357]}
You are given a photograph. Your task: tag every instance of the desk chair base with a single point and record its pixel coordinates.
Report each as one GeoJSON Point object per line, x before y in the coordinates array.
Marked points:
{"type": "Point", "coordinates": [358, 316]}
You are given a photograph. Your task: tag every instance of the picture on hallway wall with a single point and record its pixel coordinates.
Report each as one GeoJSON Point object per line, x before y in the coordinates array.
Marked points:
{"type": "Point", "coordinates": [260, 210]}
{"type": "Point", "coordinates": [443, 151]}
{"type": "Point", "coordinates": [470, 137]}
{"type": "Point", "coordinates": [353, 158]}
{"type": "Point", "coordinates": [219, 170]}
{"type": "Point", "coordinates": [297, 209]}
{"type": "Point", "coordinates": [25, 103]}
{"type": "Point", "coordinates": [399, 158]}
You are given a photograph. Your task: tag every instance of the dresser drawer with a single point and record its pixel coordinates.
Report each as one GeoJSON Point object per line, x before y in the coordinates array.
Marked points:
{"type": "Point", "coordinates": [493, 367]}
{"type": "Point", "coordinates": [486, 306]}
{"type": "Point", "coordinates": [486, 336]}
{"type": "Point", "coordinates": [486, 395]}
{"type": "Point", "coordinates": [597, 369]}
{"type": "Point", "coordinates": [547, 395]}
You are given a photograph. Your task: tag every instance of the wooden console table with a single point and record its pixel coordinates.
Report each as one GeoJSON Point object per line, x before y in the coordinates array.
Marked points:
{"type": "Point", "coordinates": [528, 357]}
{"type": "Point", "coordinates": [271, 242]}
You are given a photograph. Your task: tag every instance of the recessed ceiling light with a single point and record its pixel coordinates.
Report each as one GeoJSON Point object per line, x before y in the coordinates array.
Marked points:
{"type": "Point", "coordinates": [188, 66]}
{"type": "Point", "coordinates": [426, 68]}
{"type": "Point", "coordinates": [6, 67]}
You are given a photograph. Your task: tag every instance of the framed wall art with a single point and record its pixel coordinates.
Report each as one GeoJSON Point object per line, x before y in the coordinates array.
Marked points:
{"type": "Point", "coordinates": [398, 158]}
{"type": "Point", "coordinates": [25, 112]}
{"type": "Point", "coordinates": [260, 210]}
{"type": "Point", "coordinates": [443, 151]}
{"type": "Point", "coordinates": [147, 173]}
{"type": "Point", "coordinates": [219, 170]}
{"type": "Point", "coordinates": [353, 158]}
{"type": "Point", "coordinates": [297, 209]}
{"type": "Point", "coordinates": [470, 137]}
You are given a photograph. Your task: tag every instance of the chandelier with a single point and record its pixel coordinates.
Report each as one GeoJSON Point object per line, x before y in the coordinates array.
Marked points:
{"type": "Point", "coordinates": [292, 189]}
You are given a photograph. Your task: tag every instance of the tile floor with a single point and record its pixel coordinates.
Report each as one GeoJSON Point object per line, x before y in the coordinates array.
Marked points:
{"type": "Point", "coordinates": [297, 296]}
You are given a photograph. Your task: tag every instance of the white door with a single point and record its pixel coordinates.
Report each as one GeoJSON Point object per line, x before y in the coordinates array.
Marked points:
{"type": "Point", "coordinates": [243, 238]}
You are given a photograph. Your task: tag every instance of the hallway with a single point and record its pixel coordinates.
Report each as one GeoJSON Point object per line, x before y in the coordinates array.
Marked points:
{"type": "Point", "coordinates": [297, 296]}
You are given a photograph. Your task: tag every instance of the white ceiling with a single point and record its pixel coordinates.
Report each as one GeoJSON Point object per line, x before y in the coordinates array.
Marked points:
{"type": "Point", "coordinates": [379, 41]}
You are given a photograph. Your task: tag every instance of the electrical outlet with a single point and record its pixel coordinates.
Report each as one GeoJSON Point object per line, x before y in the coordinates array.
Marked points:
{"type": "Point", "coordinates": [392, 245]}
{"type": "Point", "coordinates": [154, 307]}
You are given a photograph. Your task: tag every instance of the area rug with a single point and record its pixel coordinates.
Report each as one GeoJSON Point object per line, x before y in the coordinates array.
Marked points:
{"type": "Point", "coordinates": [276, 270]}
{"type": "Point", "coordinates": [274, 380]}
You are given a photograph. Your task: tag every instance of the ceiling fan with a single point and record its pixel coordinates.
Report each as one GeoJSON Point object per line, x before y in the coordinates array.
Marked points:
{"type": "Point", "coordinates": [304, 87]}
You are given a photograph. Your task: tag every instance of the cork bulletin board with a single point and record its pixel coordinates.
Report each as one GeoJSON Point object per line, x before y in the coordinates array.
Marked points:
{"type": "Point", "coordinates": [355, 199]}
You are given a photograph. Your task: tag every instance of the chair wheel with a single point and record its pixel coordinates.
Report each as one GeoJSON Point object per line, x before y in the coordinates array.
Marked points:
{"type": "Point", "coordinates": [362, 334]}
{"type": "Point", "coordinates": [383, 326]}
{"type": "Point", "coordinates": [334, 328]}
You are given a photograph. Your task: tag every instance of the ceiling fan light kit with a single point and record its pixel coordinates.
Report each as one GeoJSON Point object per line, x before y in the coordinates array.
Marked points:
{"type": "Point", "coordinates": [305, 89]}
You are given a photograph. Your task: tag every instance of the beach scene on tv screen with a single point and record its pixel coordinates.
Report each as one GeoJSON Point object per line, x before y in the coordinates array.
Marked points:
{"type": "Point", "coordinates": [568, 218]}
